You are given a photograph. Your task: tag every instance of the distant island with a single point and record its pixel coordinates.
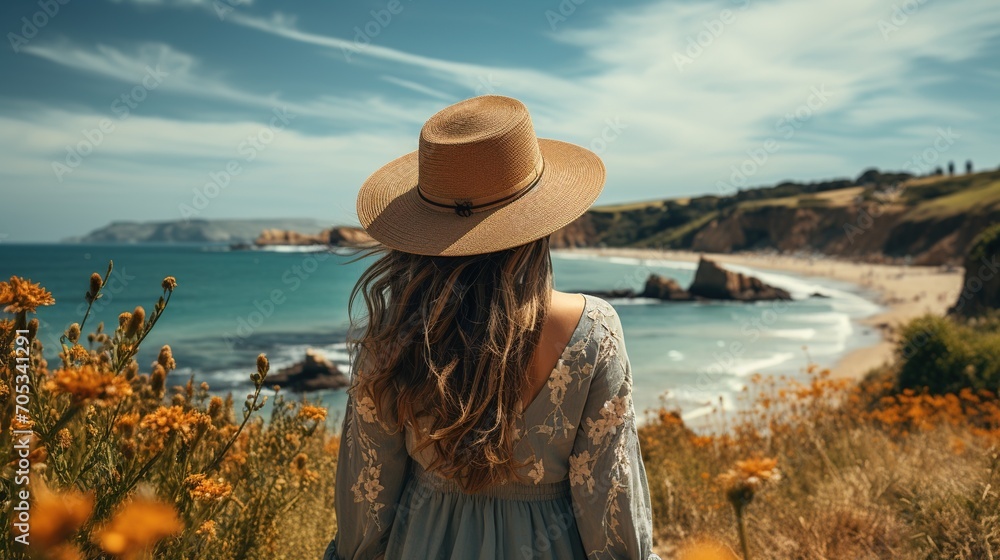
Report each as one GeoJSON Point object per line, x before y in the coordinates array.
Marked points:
{"type": "Point", "coordinates": [195, 231]}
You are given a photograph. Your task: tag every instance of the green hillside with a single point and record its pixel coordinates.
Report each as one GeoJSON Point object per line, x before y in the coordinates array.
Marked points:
{"type": "Point", "coordinates": [915, 218]}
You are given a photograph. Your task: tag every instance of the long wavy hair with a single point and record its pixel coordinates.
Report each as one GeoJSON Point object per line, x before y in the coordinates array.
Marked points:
{"type": "Point", "coordinates": [449, 340]}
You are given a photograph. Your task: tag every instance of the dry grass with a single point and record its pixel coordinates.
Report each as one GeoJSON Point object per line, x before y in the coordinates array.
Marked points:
{"type": "Point", "coordinates": [828, 469]}
{"type": "Point", "coordinates": [867, 473]}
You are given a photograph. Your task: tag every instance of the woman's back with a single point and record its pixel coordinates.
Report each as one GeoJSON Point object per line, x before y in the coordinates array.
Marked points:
{"type": "Point", "coordinates": [583, 493]}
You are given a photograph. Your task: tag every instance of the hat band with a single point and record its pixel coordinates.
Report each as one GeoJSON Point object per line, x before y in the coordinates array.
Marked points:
{"type": "Point", "coordinates": [466, 207]}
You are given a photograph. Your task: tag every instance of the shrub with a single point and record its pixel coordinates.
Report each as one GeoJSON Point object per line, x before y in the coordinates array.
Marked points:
{"type": "Point", "coordinates": [945, 356]}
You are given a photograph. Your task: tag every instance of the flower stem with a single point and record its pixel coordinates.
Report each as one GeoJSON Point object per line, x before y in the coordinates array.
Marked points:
{"type": "Point", "coordinates": [741, 527]}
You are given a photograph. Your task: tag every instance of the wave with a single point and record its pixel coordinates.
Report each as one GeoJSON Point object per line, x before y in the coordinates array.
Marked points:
{"type": "Point", "coordinates": [751, 367]}
{"type": "Point", "coordinates": [632, 261]}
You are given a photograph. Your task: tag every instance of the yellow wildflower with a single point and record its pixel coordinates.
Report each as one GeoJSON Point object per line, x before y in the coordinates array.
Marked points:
{"type": "Point", "coordinates": [23, 296]}
{"type": "Point", "coordinates": [204, 489]}
{"type": "Point", "coordinates": [743, 481]}
{"type": "Point", "coordinates": [207, 530]}
{"type": "Point", "coordinates": [136, 527]}
{"type": "Point", "coordinates": [169, 283]}
{"type": "Point", "coordinates": [166, 421]}
{"type": "Point", "coordinates": [704, 549]}
{"type": "Point", "coordinates": [56, 517]}
{"type": "Point", "coordinates": [78, 353]}
{"type": "Point", "coordinates": [308, 412]}
{"type": "Point", "coordinates": [87, 382]}
{"type": "Point", "coordinates": [64, 438]}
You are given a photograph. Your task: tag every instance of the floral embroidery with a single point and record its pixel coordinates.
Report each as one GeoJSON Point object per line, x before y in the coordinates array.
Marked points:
{"type": "Point", "coordinates": [368, 486]}
{"type": "Point", "coordinates": [612, 416]}
{"type": "Point", "coordinates": [558, 381]}
{"type": "Point", "coordinates": [366, 408]}
{"type": "Point", "coordinates": [538, 472]}
{"type": "Point", "coordinates": [580, 470]}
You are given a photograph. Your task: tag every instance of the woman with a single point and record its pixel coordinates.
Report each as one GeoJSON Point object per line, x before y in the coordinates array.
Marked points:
{"type": "Point", "coordinates": [489, 416]}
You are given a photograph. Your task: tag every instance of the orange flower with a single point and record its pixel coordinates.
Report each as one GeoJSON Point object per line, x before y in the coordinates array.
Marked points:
{"type": "Point", "coordinates": [204, 489]}
{"type": "Point", "coordinates": [78, 353]}
{"type": "Point", "coordinates": [743, 481]}
{"type": "Point", "coordinates": [23, 296]}
{"type": "Point", "coordinates": [316, 413]}
{"type": "Point", "coordinates": [137, 526]}
{"type": "Point", "coordinates": [207, 530]}
{"type": "Point", "coordinates": [705, 549]}
{"type": "Point", "coordinates": [87, 382]}
{"type": "Point", "coordinates": [167, 421]}
{"type": "Point", "coordinates": [56, 517]}
{"type": "Point", "coordinates": [702, 441]}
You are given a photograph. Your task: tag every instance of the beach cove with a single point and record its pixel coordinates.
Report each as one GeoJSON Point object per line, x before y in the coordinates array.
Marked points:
{"type": "Point", "coordinates": [902, 292]}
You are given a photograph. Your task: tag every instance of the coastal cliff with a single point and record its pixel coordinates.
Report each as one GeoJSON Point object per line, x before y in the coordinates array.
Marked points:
{"type": "Point", "coordinates": [876, 217]}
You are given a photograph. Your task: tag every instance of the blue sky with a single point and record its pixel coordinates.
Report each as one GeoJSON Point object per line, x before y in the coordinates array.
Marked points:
{"type": "Point", "coordinates": [166, 109]}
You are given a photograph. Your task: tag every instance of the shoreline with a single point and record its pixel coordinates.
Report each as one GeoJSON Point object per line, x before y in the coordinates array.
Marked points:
{"type": "Point", "coordinates": [905, 292]}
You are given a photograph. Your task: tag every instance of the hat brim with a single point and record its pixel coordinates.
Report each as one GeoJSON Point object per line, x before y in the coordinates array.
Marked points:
{"type": "Point", "coordinates": [391, 211]}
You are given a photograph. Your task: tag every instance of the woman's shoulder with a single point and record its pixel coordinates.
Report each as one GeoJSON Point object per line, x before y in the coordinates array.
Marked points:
{"type": "Point", "coordinates": [602, 315]}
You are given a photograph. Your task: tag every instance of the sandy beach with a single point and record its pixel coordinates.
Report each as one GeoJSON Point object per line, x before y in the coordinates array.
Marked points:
{"type": "Point", "coordinates": [904, 291]}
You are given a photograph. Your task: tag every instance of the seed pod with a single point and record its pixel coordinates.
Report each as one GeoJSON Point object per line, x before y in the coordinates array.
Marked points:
{"type": "Point", "coordinates": [73, 333]}
{"type": "Point", "coordinates": [136, 322]}
{"type": "Point", "coordinates": [95, 287]}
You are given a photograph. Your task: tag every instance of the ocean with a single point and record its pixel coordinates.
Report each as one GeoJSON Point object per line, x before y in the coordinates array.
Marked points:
{"type": "Point", "coordinates": [231, 305]}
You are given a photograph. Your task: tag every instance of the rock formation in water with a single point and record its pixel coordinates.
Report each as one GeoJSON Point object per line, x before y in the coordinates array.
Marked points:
{"type": "Point", "coordinates": [336, 237]}
{"type": "Point", "coordinates": [660, 287]}
{"type": "Point", "coordinates": [711, 282]}
{"type": "Point", "coordinates": [312, 374]}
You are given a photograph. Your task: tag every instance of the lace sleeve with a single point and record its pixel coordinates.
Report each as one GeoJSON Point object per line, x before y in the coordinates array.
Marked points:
{"type": "Point", "coordinates": [371, 473]}
{"type": "Point", "coordinates": [608, 481]}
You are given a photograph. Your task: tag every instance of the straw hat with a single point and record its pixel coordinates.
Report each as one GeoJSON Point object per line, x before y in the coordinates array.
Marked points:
{"type": "Point", "coordinates": [481, 181]}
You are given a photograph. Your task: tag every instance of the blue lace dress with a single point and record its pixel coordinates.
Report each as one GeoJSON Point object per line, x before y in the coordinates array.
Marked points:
{"type": "Point", "coordinates": [586, 494]}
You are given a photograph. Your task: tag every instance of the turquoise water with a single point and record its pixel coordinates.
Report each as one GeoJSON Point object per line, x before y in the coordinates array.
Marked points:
{"type": "Point", "coordinates": [231, 305]}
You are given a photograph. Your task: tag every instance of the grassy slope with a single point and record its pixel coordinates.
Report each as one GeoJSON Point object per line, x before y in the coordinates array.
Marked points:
{"type": "Point", "coordinates": [634, 224]}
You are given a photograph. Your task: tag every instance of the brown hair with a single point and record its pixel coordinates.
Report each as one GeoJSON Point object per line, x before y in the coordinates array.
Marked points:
{"type": "Point", "coordinates": [450, 339]}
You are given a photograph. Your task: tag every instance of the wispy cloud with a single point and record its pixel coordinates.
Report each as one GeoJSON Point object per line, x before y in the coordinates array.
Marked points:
{"type": "Point", "coordinates": [184, 74]}
{"type": "Point", "coordinates": [746, 74]}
